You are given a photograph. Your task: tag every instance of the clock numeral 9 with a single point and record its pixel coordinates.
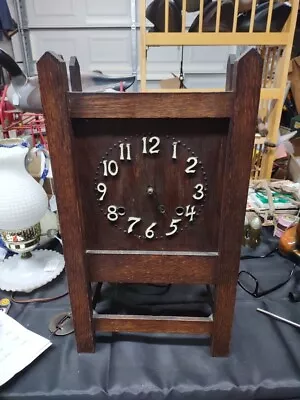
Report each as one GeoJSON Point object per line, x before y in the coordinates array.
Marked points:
{"type": "Point", "coordinates": [174, 226]}
{"type": "Point", "coordinates": [154, 148]}
{"type": "Point", "coordinates": [101, 187]}
{"type": "Point", "coordinates": [191, 168]}
{"type": "Point", "coordinates": [110, 167]}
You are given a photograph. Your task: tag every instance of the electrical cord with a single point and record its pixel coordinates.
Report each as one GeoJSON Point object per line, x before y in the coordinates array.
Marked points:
{"type": "Point", "coordinates": [37, 300]}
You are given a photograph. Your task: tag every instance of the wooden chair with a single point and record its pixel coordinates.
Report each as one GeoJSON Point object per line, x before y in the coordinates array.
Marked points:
{"type": "Point", "coordinates": [86, 130]}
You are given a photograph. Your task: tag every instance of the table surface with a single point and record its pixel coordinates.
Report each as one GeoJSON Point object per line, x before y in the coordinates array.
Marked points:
{"type": "Point", "coordinates": [264, 362]}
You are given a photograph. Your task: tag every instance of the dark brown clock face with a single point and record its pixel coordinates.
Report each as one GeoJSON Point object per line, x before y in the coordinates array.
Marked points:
{"type": "Point", "coordinates": [149, 186]}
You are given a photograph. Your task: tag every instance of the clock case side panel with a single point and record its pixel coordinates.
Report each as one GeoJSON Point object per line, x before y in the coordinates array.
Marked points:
{"type": "Point", "coordinates": [54, 87]}
{"type": "Point", "coordinates": [245, 84]}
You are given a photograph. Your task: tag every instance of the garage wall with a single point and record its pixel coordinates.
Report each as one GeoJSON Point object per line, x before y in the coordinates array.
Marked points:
{"type": "Point", "coordinates": [100, 34]}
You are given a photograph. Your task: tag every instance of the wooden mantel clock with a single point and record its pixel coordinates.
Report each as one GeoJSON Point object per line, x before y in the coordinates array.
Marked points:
{"type": "Point", "coordinates": [151, 188]}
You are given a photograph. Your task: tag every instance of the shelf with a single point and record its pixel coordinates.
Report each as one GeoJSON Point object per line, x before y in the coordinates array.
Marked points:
{"type": "Point", "coordinates": [216, 39]}
{"type": "Point", "coordinates": [266, 93]}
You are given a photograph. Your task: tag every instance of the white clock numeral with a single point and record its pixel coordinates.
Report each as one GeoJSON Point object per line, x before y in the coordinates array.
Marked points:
{"type": "Point", "coordinates": [199, 192]}
{"type": "Point", "coordinates": [101, 187]}
{"type": "Point", "coordinates": [174, 227]}
{"type": "Point", "coordinates": [149, 233]}
{"type": "Point", "coordinates": [193, 161]}
{"type": "Point", "coordinates": [110, 167]}
{"type": "Point", "coordinates": [190, 212]}
{"type": "Point", "coordinates": [133, 221]}
{"type": "Point", "coordinates": [112, 214]}
{"type": "Point", "coordinates": [174, 155]}
{"type": "Point", "coordinates": [154, 148]}
{"type": "Point", "coordinates": [122, 148]}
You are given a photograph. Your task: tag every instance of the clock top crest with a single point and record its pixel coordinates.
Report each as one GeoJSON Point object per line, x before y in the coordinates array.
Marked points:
{"type": "Point", "coordinates": [151, 188]}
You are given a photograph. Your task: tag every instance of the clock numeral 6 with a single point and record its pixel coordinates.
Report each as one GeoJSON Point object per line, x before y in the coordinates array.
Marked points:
{"type": "Point", "coordinates": [199, 192]}
{"type": "Point", "coordinates": [110, 167]}
{"type": "Point", "coordinates": [149, 233]}
{"type": "Point", "coordinates": [154, 148]}
{"type": "Point", "coordinates": [191, 168]}
{"type": "Point", "coordinates": [174, 226]}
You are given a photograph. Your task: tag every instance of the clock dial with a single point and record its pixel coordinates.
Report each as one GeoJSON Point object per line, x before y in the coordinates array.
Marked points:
{"type": "Point", "coordinates": [144, 210]}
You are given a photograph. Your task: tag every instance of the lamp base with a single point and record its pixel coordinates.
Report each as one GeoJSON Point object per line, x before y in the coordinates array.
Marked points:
{"type": "Point", "coordinates": [25, 275]}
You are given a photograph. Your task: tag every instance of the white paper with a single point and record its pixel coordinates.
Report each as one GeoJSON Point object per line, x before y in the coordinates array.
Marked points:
{"type": "Point", "coordinates": [18, 347]}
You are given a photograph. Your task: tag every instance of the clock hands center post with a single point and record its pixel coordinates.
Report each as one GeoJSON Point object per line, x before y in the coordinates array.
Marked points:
{"type": "Point", "coordinates": [151, 192]}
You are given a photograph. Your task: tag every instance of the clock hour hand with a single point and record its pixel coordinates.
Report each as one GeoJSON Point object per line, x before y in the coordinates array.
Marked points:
{"type": "Point", "coordinates": [151, 192]}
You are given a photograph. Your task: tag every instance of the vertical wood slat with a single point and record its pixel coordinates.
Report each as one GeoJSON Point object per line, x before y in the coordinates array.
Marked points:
{"type": "Point", "coordinates": [218, 15]}
{"type": "Point", "coordinates": [201, 6]}
{"type": "Point", "coordinates": [237, 169]}
{"type": "Point", "coordinates": [183, 14]}
{"type": "Point", "coordinates": [270, 12]}
{"type": "Point", "coordinates": [143, 50]}
{"type": "Point", "coordinates": [75, 77]}
{"type": "Point", "coordinates": [53, 81]}
{"type": "Point", "coordinates": [235, 15]}
{"type": "Point", "coordinates": [166, 15]}
{"type": "Point", "coordinates": [253, 9]}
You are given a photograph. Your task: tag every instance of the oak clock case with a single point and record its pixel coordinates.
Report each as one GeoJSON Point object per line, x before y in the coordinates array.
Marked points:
{"type": "Point", "coordinates": [151, 187]}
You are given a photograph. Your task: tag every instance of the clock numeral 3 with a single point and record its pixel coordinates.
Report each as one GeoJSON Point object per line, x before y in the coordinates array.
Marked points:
{"type": "Point", "coordinates": [110, 167]}
{"type": "Point", "coordinates": [134, 221]}
{"type": "Point", "coordinates": [190, 212]}
{"type": "Point", "coordinates": [199, 192]}
{"type": "Point", "coordinates": [101, 187]}
{"type": "Point", "coordinates": [154, 148]}
{"type": "Point", "coordinates": [191, 168]}
{"type": "Point", "coordinates": [149, 233]}
{"type": "Point", "coordinates": [122, 148]}
{"type": "Point", "coordinates": [174, 226]}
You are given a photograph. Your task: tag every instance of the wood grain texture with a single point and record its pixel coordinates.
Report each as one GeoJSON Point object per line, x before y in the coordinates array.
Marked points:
{"type": "Point", "coordinates": [93, 138]}
{"type": "Point", "coordinates": [75, 77]}
{"type": "Point", "coordinates": [151, 324]}
{"type": "Point", "coordinates": [150, 105]}
{"type": "Point", "coordinates": [237, 172]}
{"type": "Point", "coordinates": [54, 86]}
{"type": "Point", "coordinates": [151, 269]}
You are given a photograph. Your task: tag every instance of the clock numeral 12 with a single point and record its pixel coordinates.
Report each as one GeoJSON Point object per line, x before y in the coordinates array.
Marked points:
{"type": "Point", "coordinates": [110, 167]}
{"type": "Point", "coordinates": [122, 147]}
{"type": "Point", "coordinates": [154, 148]}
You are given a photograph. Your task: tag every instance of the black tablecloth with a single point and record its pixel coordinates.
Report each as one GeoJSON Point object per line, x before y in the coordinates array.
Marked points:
{"type": "Point", "coordinates": [264, 362]}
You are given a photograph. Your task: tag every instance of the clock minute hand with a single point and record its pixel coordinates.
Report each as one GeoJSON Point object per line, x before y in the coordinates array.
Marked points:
{"type": "Point", "coordinates": [151, 192]}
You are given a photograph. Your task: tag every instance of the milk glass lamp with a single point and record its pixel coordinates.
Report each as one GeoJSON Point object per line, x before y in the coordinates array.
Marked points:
{"type": "Point", "coordinates": [23, 202]}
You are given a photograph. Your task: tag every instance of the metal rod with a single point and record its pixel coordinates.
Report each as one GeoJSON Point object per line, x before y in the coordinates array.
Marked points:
{"type": "Point", "coordinates": [201, 15]}
{"type": "Point", "coordinates": [155, 253]}
{"type": "Point", "coordinates": [166, 15]}
{"type": "Point", "coordinates": [22, 36]}
{"type": "Point", "coordinates": [287, 321]}
{"type": "Point", "coordinates": [218, 16]}
{"type": "Point", "coordinates": [134, 52]}
{"type": "Point", "coordinates": [183, 15]}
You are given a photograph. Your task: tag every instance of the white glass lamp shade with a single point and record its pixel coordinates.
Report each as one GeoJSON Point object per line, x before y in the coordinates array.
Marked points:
{"type": "Point", "coordinates": [23, 201]}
